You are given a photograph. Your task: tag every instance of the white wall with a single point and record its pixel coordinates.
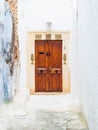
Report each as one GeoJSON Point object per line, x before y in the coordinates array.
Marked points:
{"type": "Point", "coordinates": [86, 61]}
{"type": "Point", "coordinates": [33, 15]}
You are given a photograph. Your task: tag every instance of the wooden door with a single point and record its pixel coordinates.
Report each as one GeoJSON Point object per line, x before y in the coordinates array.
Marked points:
{"type": "Point", "coordinates": [48, 65]}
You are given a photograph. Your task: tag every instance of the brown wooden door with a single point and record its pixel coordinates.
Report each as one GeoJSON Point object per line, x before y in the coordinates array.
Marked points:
{"type": "Point", "coordinates": [48, 65]}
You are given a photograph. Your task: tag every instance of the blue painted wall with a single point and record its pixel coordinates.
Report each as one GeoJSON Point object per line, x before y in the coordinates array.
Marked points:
{"type": "Point", "coordinates": [7, 52]}
{"type": "Point", "coordinates": [7, 66]}
{"type": "Point", "coordinates": [1, 48]}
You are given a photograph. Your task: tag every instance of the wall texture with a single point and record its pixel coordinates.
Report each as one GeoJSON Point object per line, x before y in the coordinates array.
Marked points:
{"type": "Point", "coordinates": [86, 59]}
{"type": "Point", "coordinates": [14, 11]}
{"type": "Point", "coordinates": [7, 53]}
{"type": "Point", "coordinates": [1, 52]}
{"type": "Point", "coordinates": [9, 64]}
{"type": "Point", "coordinates": [15, 45]}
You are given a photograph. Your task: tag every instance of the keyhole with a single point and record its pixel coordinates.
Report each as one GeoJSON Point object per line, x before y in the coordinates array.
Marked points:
{"type": "Point", "coordinates": [56, 71]}
{"type": "Point", "coordinates": [41, 71]}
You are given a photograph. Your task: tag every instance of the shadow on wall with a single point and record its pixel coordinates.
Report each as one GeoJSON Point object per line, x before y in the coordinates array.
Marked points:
{"type": "Point", "coordinates": [9, 65]}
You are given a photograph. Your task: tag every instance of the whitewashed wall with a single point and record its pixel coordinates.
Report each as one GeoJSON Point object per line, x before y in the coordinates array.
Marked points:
{"type": "Point", "coordinates": [33, 15]}
{"type": "Point", "coordinates": [8, 77]}
{"type": "Point", "coordinates": [1, 52]}
{"type": "Point", "coordinates": [86, 61]}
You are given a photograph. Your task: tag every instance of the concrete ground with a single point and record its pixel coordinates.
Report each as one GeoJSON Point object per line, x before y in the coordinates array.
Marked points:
{"type": "Point", "coordinates": [42, 112]}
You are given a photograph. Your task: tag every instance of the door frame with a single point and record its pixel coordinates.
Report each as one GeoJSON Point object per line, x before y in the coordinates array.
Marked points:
{"type": "Point", "coordinates": [30, 68]}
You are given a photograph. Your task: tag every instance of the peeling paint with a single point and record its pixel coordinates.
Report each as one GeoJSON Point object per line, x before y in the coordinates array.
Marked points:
{"type": "Point", "coordinates": [8, 66]}
{"type": "Point", "coordinates": [7, 52]}
{"type": "Point", "coordinates": [1, 52]}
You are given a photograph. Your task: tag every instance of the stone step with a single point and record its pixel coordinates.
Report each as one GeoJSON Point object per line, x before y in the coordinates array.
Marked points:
{"type": "Point", "coordinates": [42, 113]}
{"type": "Point", "coordinates": [22, 96]}
{"type": "Point", "coordinates": [77, 129]}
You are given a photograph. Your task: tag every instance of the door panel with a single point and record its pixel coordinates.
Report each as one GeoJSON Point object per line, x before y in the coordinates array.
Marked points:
{"type": "Point", "coordinates": [56, 65]}
{"type": "Point", "coordinates": [48, 65]}
{"type": "Point", "coordinates": [40, 54]}
{"type": "Point", "coordinates": [41, 82]}
{"type": "Point", "coordinates": [41, 64]}
{"type": "Point", "coordinates": [55, 80]}
{"type": "Point", "coordinates": [55, 53]}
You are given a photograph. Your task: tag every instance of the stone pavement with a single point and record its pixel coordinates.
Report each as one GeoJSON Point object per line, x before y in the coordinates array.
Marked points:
{"type": "Point", "coordinates": [42, 112]}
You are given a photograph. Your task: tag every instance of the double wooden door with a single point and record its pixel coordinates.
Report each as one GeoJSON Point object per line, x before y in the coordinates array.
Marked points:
{"type": "Point", "coordinates": [48, 65]}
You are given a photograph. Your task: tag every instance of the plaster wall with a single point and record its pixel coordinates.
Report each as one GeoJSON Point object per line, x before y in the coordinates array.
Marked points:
{"type": "Point", "coordinates": [86, 61]}
{"type": "Point", "coordinates": [1, 52]}
{"type": "Point", "coordinates": [8, 65]}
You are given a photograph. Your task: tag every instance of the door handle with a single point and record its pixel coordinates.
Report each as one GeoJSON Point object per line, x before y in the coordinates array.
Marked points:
{"type": "Point", "coordinates": [56, 71]}
{"type": "Point", "coordinates": [41, 71]}
{"type": "Point", "coordinates": [48, 54]}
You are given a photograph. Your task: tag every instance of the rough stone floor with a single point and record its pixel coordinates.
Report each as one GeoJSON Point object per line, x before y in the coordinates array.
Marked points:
{"type": "Point", "coordinates": [42, 112]}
